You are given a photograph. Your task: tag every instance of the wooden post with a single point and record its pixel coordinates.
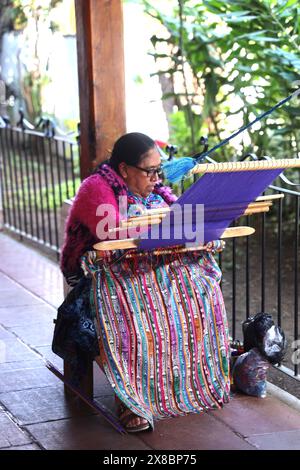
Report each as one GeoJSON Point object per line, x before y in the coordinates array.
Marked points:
{"type": "Point", "coordinates": [100, 51]}
{"type": "Point", "coordinates": [87, 383]}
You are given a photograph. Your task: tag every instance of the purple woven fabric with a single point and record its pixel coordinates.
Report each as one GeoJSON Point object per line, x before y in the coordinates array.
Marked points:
{"type": "Point", "coordinates": [225, 197]}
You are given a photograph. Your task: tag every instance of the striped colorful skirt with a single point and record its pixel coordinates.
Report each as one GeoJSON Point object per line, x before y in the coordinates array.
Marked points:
{"type": "Point", "coordinates": [163, 332]}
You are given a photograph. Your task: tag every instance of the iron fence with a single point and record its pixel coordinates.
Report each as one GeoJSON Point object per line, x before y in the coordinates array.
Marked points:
{"type": "Point", "coordinates": [260, 272]}
{"type": "Point", "coordinates": [39, 170]}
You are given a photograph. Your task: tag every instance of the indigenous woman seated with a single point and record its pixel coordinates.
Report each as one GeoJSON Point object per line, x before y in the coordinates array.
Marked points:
{"type": "Point", "coordinates": [155, 323]}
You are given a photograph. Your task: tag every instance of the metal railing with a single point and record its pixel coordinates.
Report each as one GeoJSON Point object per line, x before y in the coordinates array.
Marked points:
{"type": "Point", "coordinates": [39, 169]}
{"type": "Point", "coordinates": [260, 272]}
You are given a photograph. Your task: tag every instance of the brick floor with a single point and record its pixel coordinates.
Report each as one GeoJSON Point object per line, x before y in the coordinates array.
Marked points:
{"type": "Point", "coordinates": [35, 413]}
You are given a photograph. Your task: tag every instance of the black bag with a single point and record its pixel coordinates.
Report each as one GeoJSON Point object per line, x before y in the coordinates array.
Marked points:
{"type": "Point", "coordinates": [75, 338]}
{"type": "Point", "coordinates": [261, 332]}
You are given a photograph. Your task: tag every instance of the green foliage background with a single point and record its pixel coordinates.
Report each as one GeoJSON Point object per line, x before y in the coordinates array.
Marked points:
{"type": "Point", "coordinates": [238, 49]}
{"type": "Point", "coordinates": [14, 16]}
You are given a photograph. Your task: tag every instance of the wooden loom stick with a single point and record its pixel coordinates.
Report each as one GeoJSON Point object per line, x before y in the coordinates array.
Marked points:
{"type": "Point", "coordinates": [269, 197]}
{"type": "Point", "coordinates": [144, 221]}
{"type": "Point", "coordinates": [148, 219]}
{"type": "Point", "coordinates": [255, 211]}
{"type": "Point", "coordinates": [163, 211]}
{"type": "Point", "coordinates": [245, 166]}
{"type": "Point", "coordinates": [233, 232]}
{"type": "Point", "coordinates": [134, 242]}
{"type": "Point", "coordinates": [149, 215]}
{"type": "Point", "coordinates": [157, 210]}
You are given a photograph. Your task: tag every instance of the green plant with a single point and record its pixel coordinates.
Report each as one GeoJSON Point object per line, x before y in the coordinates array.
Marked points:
{"type": "Point", "coordinates": [47, 197]}
{"type": "Point", "coordinates": [51, 196]}
{"type": "Point", "coordinates": [15, 15]}
{"type": "Point", "coordinates": [230, 62]}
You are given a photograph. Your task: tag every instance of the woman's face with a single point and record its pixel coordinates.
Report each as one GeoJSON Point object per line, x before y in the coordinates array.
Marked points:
{"type": "Point", "coordinates": [136, 177]}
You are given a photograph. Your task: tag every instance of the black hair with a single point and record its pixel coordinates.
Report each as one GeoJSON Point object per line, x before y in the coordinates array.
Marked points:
{"type": "Point", "coordinates": [129, 149]}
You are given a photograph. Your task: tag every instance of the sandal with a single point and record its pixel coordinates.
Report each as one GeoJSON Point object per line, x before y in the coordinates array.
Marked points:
{"type": "Point", "coordinates": [126, 416]}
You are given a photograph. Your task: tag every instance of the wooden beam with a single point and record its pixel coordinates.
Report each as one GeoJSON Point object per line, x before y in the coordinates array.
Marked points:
{"type": "Point", "coordinates": [100, 51]}
{"type": "Point", "coordinates": [230, 232]}
{"type": "Point", "coordinates": [85, 82]}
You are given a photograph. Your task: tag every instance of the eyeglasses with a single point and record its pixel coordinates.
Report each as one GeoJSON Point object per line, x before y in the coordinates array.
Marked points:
{"type": "Point", "coordinates": [151, 171]}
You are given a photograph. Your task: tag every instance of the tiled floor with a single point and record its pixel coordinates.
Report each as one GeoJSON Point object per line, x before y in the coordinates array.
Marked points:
{"type": "Point", "coordinates": [35, 414]}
